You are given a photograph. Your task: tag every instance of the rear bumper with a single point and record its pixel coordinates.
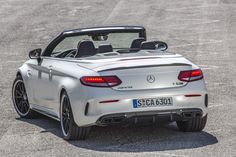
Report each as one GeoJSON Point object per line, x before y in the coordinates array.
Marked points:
{"type": "Point", "coordinates": [90, 111]}
{"type": "Point", "coordinates": [96, 113]}
{"type": "Point", "coordinates": [150, 117]}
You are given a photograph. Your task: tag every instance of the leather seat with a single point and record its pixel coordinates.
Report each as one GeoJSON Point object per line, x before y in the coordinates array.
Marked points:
{"type": "Point", "coordinates": [105, 48]}
{"type": "Point", "coordinates": [85, 48]}
{"type": "Point", "coordinates": [136, 43]}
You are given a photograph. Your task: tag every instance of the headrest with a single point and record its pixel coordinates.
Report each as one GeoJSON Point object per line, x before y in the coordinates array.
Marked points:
{"type": "Point", "coordinates": [85, 48]}
{"type": "Point", "coordinates": [136, 43]}
{"type": "Point", "coordinates": [150, 45]}
{"type": "Point", "coordinates": [103, 48]}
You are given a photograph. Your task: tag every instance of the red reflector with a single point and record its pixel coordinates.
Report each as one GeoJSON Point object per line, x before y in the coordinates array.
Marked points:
{"type": "Point", "coordinates": [190, 75]}
{"type": "Point", "coordinates": [100, 81]}
{"type": "Point", "coordinates": [192, 95]}
{"type": "Point", "coordinates": [109, 101]}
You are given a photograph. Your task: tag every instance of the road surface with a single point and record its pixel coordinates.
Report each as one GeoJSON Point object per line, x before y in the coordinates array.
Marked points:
{"type": "Point", "coordinates": [202, 30]}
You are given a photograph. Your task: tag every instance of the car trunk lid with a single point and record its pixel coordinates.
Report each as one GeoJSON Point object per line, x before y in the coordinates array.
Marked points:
{"type": "Point", "coordinates": [148, 77]}
{"type": "Point", "coordinates": [145, 73]}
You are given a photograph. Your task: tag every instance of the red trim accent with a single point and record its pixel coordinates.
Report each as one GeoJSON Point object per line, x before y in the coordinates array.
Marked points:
{"type": "Point", "coordinates": [192, 95]}
{"type": "Point", "coordinates": [108, 101]}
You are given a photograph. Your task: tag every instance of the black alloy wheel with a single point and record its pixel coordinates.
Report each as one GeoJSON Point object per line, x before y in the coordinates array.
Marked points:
{"type": "Point", "coordinates": [70, 130]}
{"type": "Point", "coordinates": [20, 99]}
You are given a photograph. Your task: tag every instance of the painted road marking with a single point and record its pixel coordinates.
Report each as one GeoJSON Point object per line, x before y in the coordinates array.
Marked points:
{"type": "Point", "coordinates": [216, 105]}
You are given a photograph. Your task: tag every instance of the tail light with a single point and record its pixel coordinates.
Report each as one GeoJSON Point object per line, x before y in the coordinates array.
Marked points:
{"type": "Point", "coordinates": [190, 75]}
{"type": "Point", "coordinates": [100, 81]}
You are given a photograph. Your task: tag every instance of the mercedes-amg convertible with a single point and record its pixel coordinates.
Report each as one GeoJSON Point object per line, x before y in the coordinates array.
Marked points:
{"type": "Point", "coordinates": [109, 76]}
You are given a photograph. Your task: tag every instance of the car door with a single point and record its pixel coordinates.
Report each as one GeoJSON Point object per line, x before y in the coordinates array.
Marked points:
{"type": "Point", "coordinates": [42, 84]}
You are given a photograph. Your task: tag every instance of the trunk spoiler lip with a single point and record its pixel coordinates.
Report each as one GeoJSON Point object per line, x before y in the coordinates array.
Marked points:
{"type": "Point", "coordinates": [145, 66]}
{"type": "Point", "coordinates": [89, 61]}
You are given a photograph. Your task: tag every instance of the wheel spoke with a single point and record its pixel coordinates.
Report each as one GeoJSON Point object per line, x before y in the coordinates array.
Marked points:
{"type": "Point", "coordinates": [18, 97]}
{"type": "Point", "coordinates": [63, 120]}
{"type": "Point", "coordinates": [68, 121]}
{"type": "Point", "coordinates": [63, 114]}
{"type": "Point", "coordinates": [20, 106]}
{"type": "Point", "coordinates": [18, 93]}
{"type": "Point", "coordinates": [22, 88]}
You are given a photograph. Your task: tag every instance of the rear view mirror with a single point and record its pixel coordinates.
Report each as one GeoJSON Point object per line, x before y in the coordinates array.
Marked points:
{"type": "Point", "coordinates": [99, 37]}
{"type": "Point", "coordinates": [35, 54]}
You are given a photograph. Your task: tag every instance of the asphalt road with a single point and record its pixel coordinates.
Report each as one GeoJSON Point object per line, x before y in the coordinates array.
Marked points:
{"type": "Point", "coordinates": [203, 30]}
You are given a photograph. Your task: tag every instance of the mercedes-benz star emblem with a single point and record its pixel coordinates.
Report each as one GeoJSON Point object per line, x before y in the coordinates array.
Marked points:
{"type": "Point", "coordinates": [151, 78]}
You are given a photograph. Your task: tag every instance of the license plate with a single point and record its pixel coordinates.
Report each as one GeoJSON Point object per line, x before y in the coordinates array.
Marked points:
{"type": "Point", "coordinates": [152, 102]}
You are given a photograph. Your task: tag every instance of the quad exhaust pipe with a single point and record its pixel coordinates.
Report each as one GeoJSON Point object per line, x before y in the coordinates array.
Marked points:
{"type": "Point", "coordinates": [151, 117]}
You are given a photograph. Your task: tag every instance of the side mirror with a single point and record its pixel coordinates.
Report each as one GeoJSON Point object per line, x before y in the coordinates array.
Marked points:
{"type": "Point", "coordinates": [160, 45]}
{"type": "Point", "coordinates": [35, 54]}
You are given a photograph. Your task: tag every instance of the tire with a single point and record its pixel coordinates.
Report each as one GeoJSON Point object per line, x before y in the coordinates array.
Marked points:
{"type": "Point", "coordinates": [69, 128]}
{"type": "Point", "coordinates": [194, 125]}
{"type": "Point", "coordinates": [20, 99]}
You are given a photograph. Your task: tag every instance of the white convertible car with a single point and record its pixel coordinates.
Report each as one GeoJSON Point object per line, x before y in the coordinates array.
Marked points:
{"type": "Point", "coordinates": [107, 76]}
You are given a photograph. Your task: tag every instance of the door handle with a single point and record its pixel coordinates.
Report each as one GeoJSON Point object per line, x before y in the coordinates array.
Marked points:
{"type": "Point", "coordinates": [50, 71]}
{"type": "Point", "coordinates": [50, 67]}
{"type": "Point", "coordinates": [29, 73]}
